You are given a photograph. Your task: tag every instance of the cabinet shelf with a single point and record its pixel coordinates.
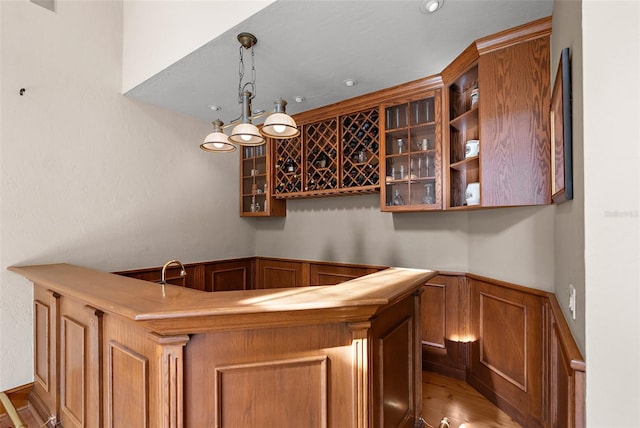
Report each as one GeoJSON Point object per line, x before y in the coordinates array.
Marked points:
{"type": "Point", "coordinates": [465, 163]}
{"type": "Point", "coordinates": [466, 120]}
{"type": "Point", "coordinates": [404, 129]}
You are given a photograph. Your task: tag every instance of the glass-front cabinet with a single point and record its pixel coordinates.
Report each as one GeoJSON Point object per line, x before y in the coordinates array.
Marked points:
{"type": "Point", "coordinates": [412, 155]}
{"type": "Point", "coordinates": [256, 194]}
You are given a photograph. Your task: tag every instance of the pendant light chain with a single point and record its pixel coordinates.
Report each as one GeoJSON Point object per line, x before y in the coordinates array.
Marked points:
{"type": "Point", "coordinates": [240, 75]}
{"type": "Point", "coordinates": [253, 74]}
{"type": "Point", "coordinates": [241, 71]}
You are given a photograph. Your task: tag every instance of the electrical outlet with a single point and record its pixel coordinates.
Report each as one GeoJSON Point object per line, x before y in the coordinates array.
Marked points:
{"type": "Point", "coordinates": [572, 301]}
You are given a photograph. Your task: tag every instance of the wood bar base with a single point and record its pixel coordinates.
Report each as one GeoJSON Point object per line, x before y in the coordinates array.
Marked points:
{"type": "Point", "coordinates": [112, 351]}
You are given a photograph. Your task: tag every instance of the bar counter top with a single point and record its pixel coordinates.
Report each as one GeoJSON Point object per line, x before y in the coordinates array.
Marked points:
{"type": "Point", "coordinates": [185, 310]}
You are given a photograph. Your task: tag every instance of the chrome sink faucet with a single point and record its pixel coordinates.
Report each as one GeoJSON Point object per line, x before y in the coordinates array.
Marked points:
{"type": "Point", "coordinates": [183, 272]}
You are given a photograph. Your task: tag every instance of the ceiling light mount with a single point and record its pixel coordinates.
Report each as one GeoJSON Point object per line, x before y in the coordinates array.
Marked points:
{"type": "Point", "coordinates": [247, 40]}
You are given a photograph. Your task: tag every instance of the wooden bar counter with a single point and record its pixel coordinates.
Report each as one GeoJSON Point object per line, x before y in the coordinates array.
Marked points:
{"type": "Point", "coordinates": [112, 351]}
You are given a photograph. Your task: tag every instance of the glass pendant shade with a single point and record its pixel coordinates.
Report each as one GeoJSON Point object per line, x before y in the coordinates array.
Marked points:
{"type": "Point", "coordinates": [246, 134]}
{"type": "Point", "coordinates": [280, 124]}
{"type": "Point", "coordinates": [217, 141]}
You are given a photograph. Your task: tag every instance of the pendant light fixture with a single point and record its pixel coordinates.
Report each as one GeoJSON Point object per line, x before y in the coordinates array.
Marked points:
{"type": "Point", "coordinates": [245, 133]}
{"type": "Point", "coordinates": [280, 124]}
{"type": "Point", "coordinates": [217, 141]}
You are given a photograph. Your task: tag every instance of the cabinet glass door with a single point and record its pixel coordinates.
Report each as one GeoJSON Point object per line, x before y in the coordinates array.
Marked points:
{"type": "Point", "coordinates": [256, 198]}
{"type": "Point", "coordinates": [412, 156]}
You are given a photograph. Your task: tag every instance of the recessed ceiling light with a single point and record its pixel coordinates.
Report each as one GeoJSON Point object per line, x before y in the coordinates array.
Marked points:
{"type": "Point", "coordinates": [298, 99]}
{"type": "Point", "coordinates": [215, 107]}
{"type": "Point", "coordinates": [350, 82]}
{"type": "Point", "coordinates": [431, 6]}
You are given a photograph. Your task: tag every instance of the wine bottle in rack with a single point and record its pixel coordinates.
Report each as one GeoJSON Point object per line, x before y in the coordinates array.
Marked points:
{"type": "Point", "coordinates": [289, 165]}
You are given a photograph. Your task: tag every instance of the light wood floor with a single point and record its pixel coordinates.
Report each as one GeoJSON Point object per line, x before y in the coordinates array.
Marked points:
{"type": "Point", "coordinates": [441, 396]}
{"type": "Point", "coordinates": [464, 406]}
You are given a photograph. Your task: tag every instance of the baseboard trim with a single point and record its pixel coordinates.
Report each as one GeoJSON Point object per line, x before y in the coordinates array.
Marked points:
{"type": "Point", "coordinates": [19, 397]}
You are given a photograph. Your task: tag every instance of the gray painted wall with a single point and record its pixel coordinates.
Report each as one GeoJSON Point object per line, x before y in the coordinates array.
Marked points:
{"type": "Point", "coordinates": [569, 216]}
{"type": "Point", "coordinates": [514, 244]}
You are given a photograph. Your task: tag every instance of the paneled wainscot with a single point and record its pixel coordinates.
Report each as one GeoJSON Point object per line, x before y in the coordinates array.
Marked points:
{"type": "Point", "coordinates": [104, 342]}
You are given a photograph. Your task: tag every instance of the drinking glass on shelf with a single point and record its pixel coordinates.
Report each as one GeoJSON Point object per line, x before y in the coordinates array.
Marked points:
{"type": "Point", "coordinates": [429, 194]}
{"type": "Point", "coordinates": [429, 166]}
{"type": "Point", "coordinates": [398, 199]}
{"type": "Point", "coordinates": [400, 144]}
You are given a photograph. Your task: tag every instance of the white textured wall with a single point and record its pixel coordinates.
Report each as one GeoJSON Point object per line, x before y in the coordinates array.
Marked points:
{"type": "Point", "coordinates": [89, 176]}
{"type": "Point", "coordinates": [611, 70]}
{"type": "Point", "coordinates": [159, 33]}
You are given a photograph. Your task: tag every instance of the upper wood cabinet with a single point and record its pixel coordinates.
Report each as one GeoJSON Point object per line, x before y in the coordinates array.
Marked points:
{"type": "Point", "coordinates": [497, 150]}
{"type": "Point", "coordinates": [475, 136]}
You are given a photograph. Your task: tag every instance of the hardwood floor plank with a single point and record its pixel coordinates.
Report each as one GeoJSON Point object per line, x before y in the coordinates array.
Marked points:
{"type": "Point", "coordinates": [464, 406]}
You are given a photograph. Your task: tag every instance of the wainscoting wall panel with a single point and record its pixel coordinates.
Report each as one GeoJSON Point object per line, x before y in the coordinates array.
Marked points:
{"type": "Point", "coordinates": [503, 332]}
{"type": "Point", "coordinates": [434, 318]}
{"type": "Point", "coordinates": [235, 278]}
{"type": "Point", "coordinates": [507, 356]}
{"type": "Point", "coordinates": [331, 274]}
{"type": "Point", "coordinates": [445, 325]}
{"type": "Point", "coordinates": [566, 389]}
{"type": "Point", "coordinates": [278, 274]}
{"type": "Point", "coordinates": [511, 343]}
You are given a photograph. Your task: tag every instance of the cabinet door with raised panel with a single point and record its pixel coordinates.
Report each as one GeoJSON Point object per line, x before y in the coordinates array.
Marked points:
{"type": "Point", "coordinates": [514, 119]}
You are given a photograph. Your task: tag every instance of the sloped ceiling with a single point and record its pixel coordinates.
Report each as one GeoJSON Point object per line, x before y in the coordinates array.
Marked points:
{"type": "Point", "coordinates": [309, 48]}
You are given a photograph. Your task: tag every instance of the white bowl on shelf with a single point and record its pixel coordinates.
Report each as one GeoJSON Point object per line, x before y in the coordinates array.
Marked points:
{"type": "Point", "coordinates": [472, 194]}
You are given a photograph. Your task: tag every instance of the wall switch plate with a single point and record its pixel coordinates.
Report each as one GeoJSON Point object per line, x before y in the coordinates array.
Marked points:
{"type": "Point", "coordinates": [572, 301]}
